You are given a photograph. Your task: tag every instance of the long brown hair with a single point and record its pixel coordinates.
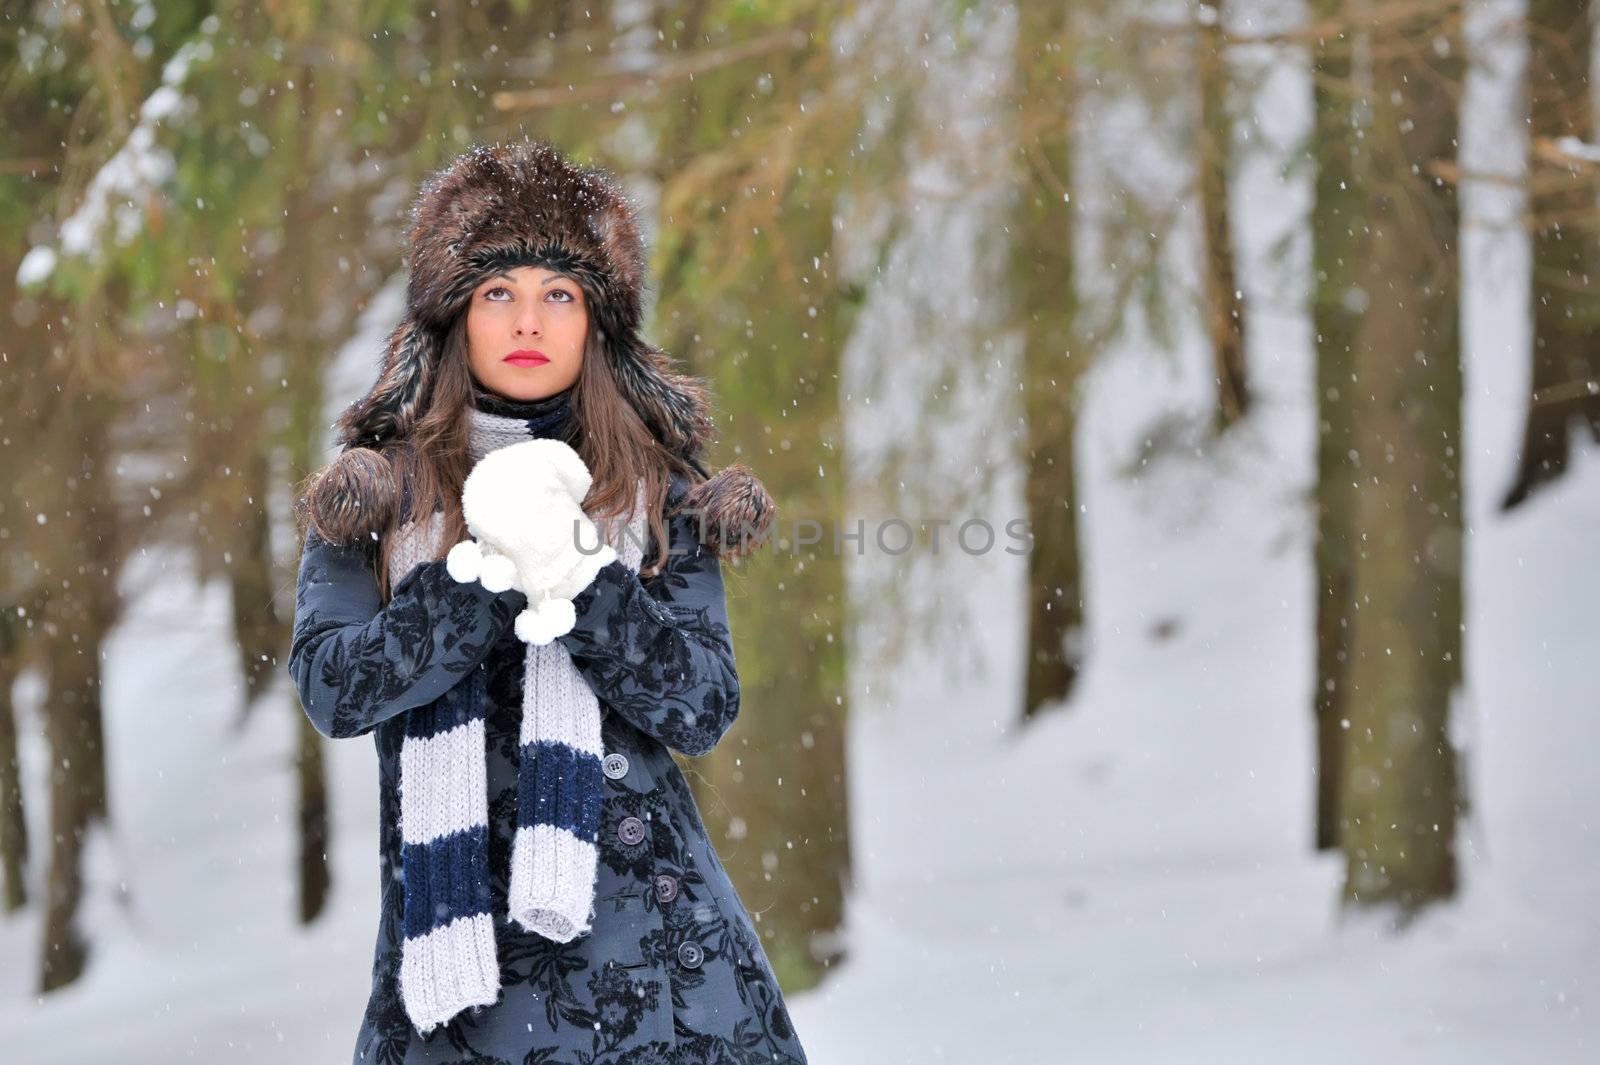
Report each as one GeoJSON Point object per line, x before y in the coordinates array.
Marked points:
{"type": "Point", "coordinates": [433, 459]}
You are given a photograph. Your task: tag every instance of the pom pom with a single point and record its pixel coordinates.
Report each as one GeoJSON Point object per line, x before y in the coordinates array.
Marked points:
{"type": "Point", "coordinates": [498, 573]}
{"type": "Point", "coordinates": [733, 512]}
{"type": "Point", "coordinates": [354, 497]}
{"type": "Point", "coordinates": [465, 561]}
{"type": "Point", "coordinates": [545, 620]}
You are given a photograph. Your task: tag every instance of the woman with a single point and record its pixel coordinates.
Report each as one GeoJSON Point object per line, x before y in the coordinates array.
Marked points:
{"type": "Point", "coordinates": [550, 893]}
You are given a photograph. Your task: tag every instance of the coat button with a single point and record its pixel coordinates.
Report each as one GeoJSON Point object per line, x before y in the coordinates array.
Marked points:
{"type": "Point", "coordinates": [666, 887]}
{"type": "Point", "coordinates": [630, 830]}
{"type": "Point", "coordinates": [690, 955]}
{"type": "Point", "coordinates": [615, 765]}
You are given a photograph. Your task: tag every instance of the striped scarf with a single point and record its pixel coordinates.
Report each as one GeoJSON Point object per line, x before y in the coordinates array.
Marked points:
{"type": "Point", "coordinates": [448, 960]}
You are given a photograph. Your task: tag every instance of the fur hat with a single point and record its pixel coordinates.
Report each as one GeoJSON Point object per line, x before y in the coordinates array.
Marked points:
{"type": "Point", "coordinates": [525, 204]}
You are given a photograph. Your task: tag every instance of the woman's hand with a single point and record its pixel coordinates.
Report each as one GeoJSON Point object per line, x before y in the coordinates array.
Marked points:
{"type": "Point", "coordinates": [523, 504]}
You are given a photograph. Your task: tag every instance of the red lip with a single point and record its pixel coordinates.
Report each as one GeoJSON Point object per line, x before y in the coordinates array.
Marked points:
{"type": "Point", "coordinates": [526, 357]}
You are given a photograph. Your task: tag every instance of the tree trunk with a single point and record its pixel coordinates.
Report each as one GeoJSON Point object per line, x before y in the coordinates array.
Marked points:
{"type": "Point", "coordinates": [1046, 286]}
{"type": "Point", "coordinates": [1224, 309]}
{"type": "Point", "coordinates": [1399, 799]}
{"type": "Point", "coordinates": [13, 823]}
{"type": "Point", "coordinates": [81, 614]}
{"type": "Point", "coordinates": [1337, 220]}
{"type": "Point", "coordinates": [1565, 296]}
{"type": "Point", "coordinates": [304, 368]}
{"type": "Point", "coordinates": [314, 879]}
{"type": "Point", "coordinates": [64, 952]}
{"type": "Point", "coordinates": [258, 631]}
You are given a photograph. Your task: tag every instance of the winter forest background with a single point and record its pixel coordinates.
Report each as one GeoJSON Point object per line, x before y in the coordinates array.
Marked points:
{"type": "Point", "coordinates": [1278, 321]}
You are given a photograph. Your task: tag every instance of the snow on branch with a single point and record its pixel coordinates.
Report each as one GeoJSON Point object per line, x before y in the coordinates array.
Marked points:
{"type": "Point", "coordinates": [137, 169]}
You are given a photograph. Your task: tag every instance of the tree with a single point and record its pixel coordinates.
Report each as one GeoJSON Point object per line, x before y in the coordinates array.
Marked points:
{"type": "Point", "coordinates": [75, 95]}
{"type": "Point", "coordinates": [1565, 284]}
{"type": "Point", "coordinates": [79, 617]}
{"type": "Point", "coordinates": [13, 824]}
{"type": "Point", "coordinates": [775, 788]}
{"type": "Point", "coordinates": [1337, 234]}
{"type": "Point", "coordinates": [1223, 306]}
{"type": "Point", "coordinates": [1399, 793]}
{"type": "Point", "coordinates": [1054, 360]}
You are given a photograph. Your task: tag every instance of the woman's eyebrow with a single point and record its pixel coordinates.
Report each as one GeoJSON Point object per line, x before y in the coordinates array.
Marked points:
{"type": "Point", "coordinates": [549, 280]}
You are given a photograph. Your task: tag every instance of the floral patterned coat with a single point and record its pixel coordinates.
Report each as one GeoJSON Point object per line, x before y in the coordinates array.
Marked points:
{"type": "Point", "coordinates": [672, 972]}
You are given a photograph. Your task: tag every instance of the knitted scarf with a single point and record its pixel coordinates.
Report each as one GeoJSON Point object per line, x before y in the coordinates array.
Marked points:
{"type": "Point", "coordinates": [448, 960]}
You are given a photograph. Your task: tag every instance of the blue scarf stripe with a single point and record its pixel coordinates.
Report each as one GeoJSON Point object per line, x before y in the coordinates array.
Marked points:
{"type": "Point", "coordinates": [462, 703]}
{"type": "Point", "coordinates": [550, 425]}
{"type": "Point", "coordinates": [561, 786]}
{"type": "Point", "coordinates": [445, 879]}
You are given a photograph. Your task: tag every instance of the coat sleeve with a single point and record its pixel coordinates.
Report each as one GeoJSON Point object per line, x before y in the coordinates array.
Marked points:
{"type": "Point", "coordinates": [357, 664]}
{"type": "Point", "coordinates": [659, 652]}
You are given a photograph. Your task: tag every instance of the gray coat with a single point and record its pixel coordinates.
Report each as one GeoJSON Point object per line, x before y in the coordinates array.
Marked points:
{"type": "Point", "coordinates": [672, 971]}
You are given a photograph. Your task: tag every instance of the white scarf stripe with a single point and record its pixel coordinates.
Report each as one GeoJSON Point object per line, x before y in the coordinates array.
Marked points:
{"type": "Point", "coordinates": [560, 703]}
{"type": "Point", "coordinates": [433, 801]}
{"type": "Point", "coordinates": [443, 972]}
{"type": "Point", "coordinates": [549, 866]}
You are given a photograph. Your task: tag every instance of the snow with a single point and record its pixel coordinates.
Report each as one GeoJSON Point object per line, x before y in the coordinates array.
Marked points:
{"type": "Point", "coordinates": [1129, 879]}
{"type": "Point", "coordinates": [1132, 880]}
{"type": "Point", "coordinates": [1579, 149]}
{"type": "Point", "coordinates": [36, 266]}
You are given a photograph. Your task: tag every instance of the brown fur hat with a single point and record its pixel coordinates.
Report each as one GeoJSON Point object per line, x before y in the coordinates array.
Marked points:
{"type": "Point", "coordinates": [525, 204]}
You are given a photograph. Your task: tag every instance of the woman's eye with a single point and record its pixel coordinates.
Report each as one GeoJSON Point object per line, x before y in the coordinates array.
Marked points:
{"type": "Point", "coordinates": [566, 297]}
{"type": "Point", "coordinates": [492, 291]}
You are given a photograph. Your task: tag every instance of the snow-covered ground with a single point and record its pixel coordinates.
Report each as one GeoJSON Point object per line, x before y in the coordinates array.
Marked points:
{"type": "Point", "coordinates": [1128, 880]}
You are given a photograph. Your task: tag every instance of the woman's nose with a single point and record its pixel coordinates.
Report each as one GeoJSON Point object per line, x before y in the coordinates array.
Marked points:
{"type": "Point", "coordinates": [527, 323]}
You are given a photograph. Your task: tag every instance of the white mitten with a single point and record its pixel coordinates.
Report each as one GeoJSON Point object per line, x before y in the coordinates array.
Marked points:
{"type": "Point", "coordinates": [524, 504]}
{"type": "Point", "coordinates": [583, 569]}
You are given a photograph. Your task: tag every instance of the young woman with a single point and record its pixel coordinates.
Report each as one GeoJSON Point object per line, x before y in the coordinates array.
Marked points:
{"type": "Point", "coordinates": [511, 578]}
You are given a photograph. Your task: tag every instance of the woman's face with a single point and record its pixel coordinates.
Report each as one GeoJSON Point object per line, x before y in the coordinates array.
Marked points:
{"type": "Point", "coordinates": [536, 318]}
